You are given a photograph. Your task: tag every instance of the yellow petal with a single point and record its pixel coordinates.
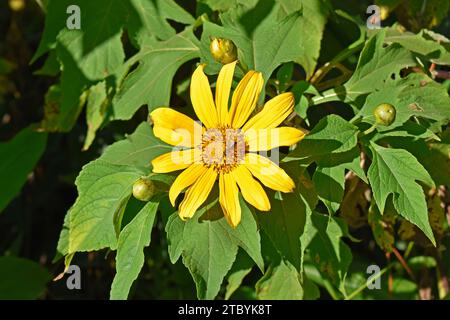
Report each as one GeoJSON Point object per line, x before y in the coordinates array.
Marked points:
{"type": "Point", "coordinates": [202, 98]}
{"type": "Point", "coordinates": [267, 139]}
{"type": "Point", "coordinates": [197, 194]}
{"type": "Point", "coordinates": [251, 189]}
{"type": "Point", "coordinates": [229, 199]}
{"type": "Point", "coordinates": [268, 173]}
{"type": "Point", "coordinates": [245, 98]}
{"type": "Point", "coordinates": [185, 179]}
{"type": "Point", "coordinates": [175, 160]}
{"type": "Point", "coordinates": [175, 128]}
{"type": "Point", "coordinates": [223, 87]}
{"type": "Point", "coordinates": [274, 112]}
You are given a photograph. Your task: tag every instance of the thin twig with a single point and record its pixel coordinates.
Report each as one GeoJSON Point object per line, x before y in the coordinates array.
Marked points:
{"type": "Point", "coordinates": [403, 263]}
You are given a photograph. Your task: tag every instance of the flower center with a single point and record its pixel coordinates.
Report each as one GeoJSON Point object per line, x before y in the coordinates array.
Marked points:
{"type": "Point", "coordinates": [223, 148]}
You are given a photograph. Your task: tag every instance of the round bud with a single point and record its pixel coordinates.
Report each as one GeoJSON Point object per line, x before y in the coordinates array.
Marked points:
{"type": "Point", "coordinates": [17, 5]}
{"type": "Point", "coordinates": [143, 189]}
{"type": "Point", "coordinates": [384, 114]}
{"type": "Point", "coordinates": [223, 50]}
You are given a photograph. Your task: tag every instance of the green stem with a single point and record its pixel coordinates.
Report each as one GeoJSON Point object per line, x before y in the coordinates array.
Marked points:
{"type": "Point", "coordinates": [370, 130]}
{"type": "Point", "coordinates": [361, 289]}
{"type": "Point", "coordinates": [331, 290]}
{"type": "Point", "coordinates": [241, 65]}
{"type": "Point", "coordinates": [344, 54]}
{"type": "Point", "coordinates": [199, 21]}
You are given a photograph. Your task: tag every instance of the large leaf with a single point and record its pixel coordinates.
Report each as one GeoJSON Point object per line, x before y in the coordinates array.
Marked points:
{"type": "Point", "coordinates": [377, 64]}
{"type": "Point", "coordinates": [209, 245]}
{"type": "Point", "coordinates": [144, 19]}
{"type": "Point", "coordinates": [138, 149]}
{"type": "Point", "coordinates": [416, 95]}
{"type": "Point", "coordinates": [97, 47]}
{"type": "Point", "coordinates": [241, 268]}
{"type": "Point", "coordinates": [422, 43]}
{"type": "Point", "coordinates": [281, 282]}
{"type": "Point", "coordinates": [310, 28]}
{"type": "Point", "coordinates": [95, 111]}
{"type": "Point", "coordinates": [103, 191]}
{"type": "Point", "coordinates": [104, 187]}
{"type": "Point", "coordinates": [323, 240]}
{"type": "Point", "coordinates": [130, 256]}
{"type": "Point", "coordinates": [329, 183]}
{"type": "Point", "coordinates": [395, 171]}
{"type": "Point", "coordinates": [285, 223]}
{"type": "Point", "coordinates": [22, 279]}
{"type": "Point", "coordinates": [332, 134]}
{"type": "Point", "coordinates": [148, 19]}
{"type": "Point", "coordinates": [18, 158]}
{"type": "Point", "coordinates": [268, 35]}
{"type": "Point", "coordinates": [150, 83]}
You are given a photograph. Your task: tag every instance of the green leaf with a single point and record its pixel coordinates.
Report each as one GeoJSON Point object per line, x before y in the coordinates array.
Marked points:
{"type": "Point", "coordinates": [103, 191]}
{"type": "Point", "coordinates": [148, 20]}
{"type": "Point", "coordinates": [150, 83]}
{"type": "Point", "coordinates": [130, 256]}
{"type": "Point", "coordinates": [268, 35]}
{"type": "Point", "coordinates": [72, 92]}
{"type": "Point", "coordinates": [349, 160]}
{"type": "Point", "coordinates": [331, 135]}
{"type": "Point", "coordinates": [280, 282]}
{"type": "Point", "coordinates": [22, 279]}
{"type": "Point", "coordinates": [310, 29]}
{"type": "Point", "coordinates": [138, 149]}
{"type": "Point", "coordinates": [55, 21]}
{"type": "Point", "coordinates": [95, 111]}
{"type": "Point", "coordinates": [96, 48]}
{"type": "Point", "coordinates": [382, 226]}
{"type": "Point", "coordinates": [395, 171]}
{"type": "Point", "coordinates": [329, 176]}
{"type": "Point", "coordinates": [285, 223]}
{"type": "Point", "coordinates": [18, 158]}
{"type": "Point", "coordinates": [421, 43]}
{"type": "Point", "coordinates": [221, 5]}
{"type": "Point", "coordinates": [209, 245]}
{"type": "Point", "coordinates": [416, 95]}
{"type": "Point", "coordinates": [330, 183]}
{"type": "Point", "coordinates": [434, 156]}
{"type": "Point", "coordinates": [6, 66]}
{"type": "Point", "coordinates": [377, 64]}
{"type": "Point", "coordinates": [436, 159]}
{"type": "Point", "coordinates": [241, 268]}
{"type": "Point", "coordinates": [62, 247]}
{"type": "Point", "coordinates": [409, 129]}
{"type": "Point", "coordinates": [50, 122]}
{"type": "Point", "coordinates": [322, 238]}
{"type": "Point", "coordinates": [207, 249]}
{"type": "Point", "coordinates": [115, 171]}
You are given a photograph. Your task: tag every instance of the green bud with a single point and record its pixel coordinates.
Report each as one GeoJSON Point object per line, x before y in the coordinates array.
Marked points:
{"type": "Point", "coordinates": [384, 114]}
{"type": "Point", "coordinates": [223, 50]}
{"type": "Point", "coordinates": [17, 5]}
{"type": "Point", "coordinates": [143, 189]}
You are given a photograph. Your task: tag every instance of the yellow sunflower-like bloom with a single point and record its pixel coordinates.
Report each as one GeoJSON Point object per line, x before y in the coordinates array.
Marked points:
{"type": "Point", "coordinates": [223, 146]}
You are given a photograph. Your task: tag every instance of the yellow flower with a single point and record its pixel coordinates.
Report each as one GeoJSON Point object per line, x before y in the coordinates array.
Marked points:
{"type": "Point", "coordinates": [224, 145]}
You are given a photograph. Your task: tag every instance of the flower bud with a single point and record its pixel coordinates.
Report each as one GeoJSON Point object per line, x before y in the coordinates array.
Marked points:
{"type": "Point", "coordinates": [17, 5]}
{"type": "Point", "coordinates": [384, 114]}
{"type": "Point", "coordinates": [143, 189]}
{"type": "Point", "coordinates": [223, 50]}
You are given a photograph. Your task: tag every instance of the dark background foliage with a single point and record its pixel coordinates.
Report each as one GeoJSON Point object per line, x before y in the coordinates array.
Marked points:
{"type": "Point", "coordinates": [31, 223]}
